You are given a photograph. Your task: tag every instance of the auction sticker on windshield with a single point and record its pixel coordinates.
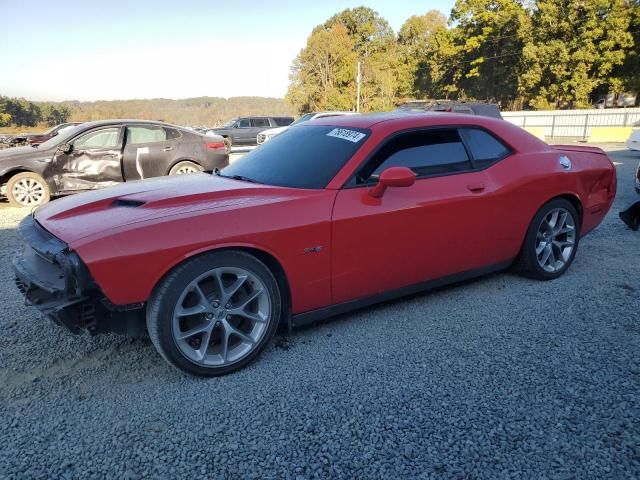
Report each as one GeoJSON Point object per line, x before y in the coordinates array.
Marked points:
{"type": "Point", "coordinates": [345, 134]}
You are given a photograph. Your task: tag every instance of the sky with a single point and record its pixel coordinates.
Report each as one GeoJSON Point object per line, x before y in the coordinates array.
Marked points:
{"type": "Point", "coordinates": [105, 50]}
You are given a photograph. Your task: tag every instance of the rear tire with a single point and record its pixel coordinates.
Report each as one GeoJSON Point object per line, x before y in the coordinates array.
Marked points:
{"type": "Point", "coordinates": [229, 143]}
{"type": "Point", "coordinates": [215, 313]}
{"type": "Point", "coordinates": [27, 189]}
{"type": "Point", "coordinates": [551, 242]}
{"type": "Point", "coordinates": [184, 167]}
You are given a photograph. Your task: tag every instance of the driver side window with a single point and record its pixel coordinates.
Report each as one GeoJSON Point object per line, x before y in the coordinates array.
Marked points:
{"type": "Point", "coordinates": [427, 152]}
{"type": "Point", "coordinates": [103, 138]}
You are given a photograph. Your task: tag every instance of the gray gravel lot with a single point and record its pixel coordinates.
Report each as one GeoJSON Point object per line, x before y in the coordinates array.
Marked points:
{"type": "Point", "coordinates": [501, 377]}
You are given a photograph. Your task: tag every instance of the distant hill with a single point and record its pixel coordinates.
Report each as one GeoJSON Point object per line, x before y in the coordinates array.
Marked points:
{"type": "Point", "coordinates": [201, 111]}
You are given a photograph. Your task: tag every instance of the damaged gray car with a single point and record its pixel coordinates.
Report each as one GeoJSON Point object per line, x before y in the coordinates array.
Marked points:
{"type": "Point", "coordinates": [100, 154]}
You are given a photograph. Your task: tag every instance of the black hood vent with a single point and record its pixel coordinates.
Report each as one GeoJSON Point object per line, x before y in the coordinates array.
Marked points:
{"type": "Point", "coordinates": [124, 202]}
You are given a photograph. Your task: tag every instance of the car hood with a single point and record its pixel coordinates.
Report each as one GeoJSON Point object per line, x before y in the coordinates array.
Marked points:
{"type": "Point", "coordinates": [274, 131]}
{"type": "Point", "coordinates": [79, 216]}
{"type": "Point", "coordinates": [23, 153]}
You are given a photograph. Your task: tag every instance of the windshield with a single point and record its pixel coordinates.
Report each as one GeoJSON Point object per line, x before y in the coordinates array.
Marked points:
{"type": "Point", "coordinates": [303, 118]}
{"type": "Point", "coordinates": [63, 135]}
{"type": "Point", "coordinates": [306, 156]}
{"type": "Point", "coordinates": [230, 123]}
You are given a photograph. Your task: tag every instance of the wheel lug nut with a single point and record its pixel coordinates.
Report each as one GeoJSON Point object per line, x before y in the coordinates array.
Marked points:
{"type": "Point", "coordinates": [216, 304]}
{"type": "Point", "coordinates": [209, 316]}
{"type": "Point", "coordinates": [228, 317]}
{"type": "Point", "coordinates": [227, 306]}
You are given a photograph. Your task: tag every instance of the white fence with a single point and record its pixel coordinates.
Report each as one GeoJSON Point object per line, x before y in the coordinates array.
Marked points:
{"type": "Point", "coordinates": [574, 123]}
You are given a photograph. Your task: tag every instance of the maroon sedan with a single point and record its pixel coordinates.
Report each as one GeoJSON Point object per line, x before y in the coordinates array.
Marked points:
{"type": "Point", "coordinates": [38, 138]}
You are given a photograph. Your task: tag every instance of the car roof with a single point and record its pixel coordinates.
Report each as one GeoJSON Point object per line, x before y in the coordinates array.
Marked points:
{"type": "Point", "coordinates": [391, 122]}
{"type": "Point", "coordinates": [106, 123]}
{"type": "Point", "coordinates": [400, 118]}
{"type": "Point", "coordinates": [265, 116]}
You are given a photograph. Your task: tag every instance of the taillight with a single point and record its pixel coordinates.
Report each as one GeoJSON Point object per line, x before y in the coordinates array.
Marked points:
{"type": "Point", "coordinates": [216, 145]}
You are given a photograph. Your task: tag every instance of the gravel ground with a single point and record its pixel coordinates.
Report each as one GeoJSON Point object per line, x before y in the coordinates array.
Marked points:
{"type": "Point", "coordinates": [501, 377]}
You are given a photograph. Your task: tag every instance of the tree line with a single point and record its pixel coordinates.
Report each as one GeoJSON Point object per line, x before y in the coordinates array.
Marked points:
{"type": "Point", "coordinates": [200, 111]}
{"type": "Point", "coordinates": [539, 54]}
{"type": "Point", "coordinates": [23, 113]}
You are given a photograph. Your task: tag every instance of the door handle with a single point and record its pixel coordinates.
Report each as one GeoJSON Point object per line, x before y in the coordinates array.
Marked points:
{"type": "Point", "coordinates": [167, 149]}
{"type": "Point", "coordinates": [476, 187]}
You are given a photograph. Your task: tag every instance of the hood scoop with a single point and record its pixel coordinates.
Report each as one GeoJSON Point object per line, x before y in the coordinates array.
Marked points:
{"type": "Point", "coordinates": [127, 202]}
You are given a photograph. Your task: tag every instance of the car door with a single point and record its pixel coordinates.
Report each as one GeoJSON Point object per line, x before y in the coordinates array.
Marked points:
{"type": "Point", "coordinates": [94, 160]}
{"type": "Point", "coordinates": [148, 152]}
{"type": "Point", "coordinates": [438, 227]}
{"type": "Point", "coordinates": [241, 132]}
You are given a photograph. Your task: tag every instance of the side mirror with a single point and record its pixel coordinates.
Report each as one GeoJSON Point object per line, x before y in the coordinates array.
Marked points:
{"type": "Point", "coordinates": [65, 148]}
{"type": "Point", "coordinates": [393, 177]}
{"type": "Point", "coordinates": [235, 125]}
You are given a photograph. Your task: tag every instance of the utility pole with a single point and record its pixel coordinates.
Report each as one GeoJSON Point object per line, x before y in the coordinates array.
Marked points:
{"type": "Point", "coordinates": [358, 88]}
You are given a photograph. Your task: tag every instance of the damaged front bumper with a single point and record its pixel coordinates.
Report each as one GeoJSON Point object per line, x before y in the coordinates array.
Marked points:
{"type": "Point", "coordinates": [54, 279]}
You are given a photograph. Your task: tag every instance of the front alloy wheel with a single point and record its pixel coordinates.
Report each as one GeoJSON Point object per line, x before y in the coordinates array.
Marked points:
{"type": "Point", "coordinates": [214, 313]}
{"type": "Point", "coordinates": [220, 316]}
{"type": "Point", "coordinates": [27, 190]}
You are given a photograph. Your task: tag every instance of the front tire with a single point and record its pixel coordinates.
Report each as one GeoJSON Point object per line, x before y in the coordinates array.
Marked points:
{"type": "Point", "coordinates": [27, 189]}
{"type": "Point", "coordinates": [551, 242]}
{"type": "Point", "coordinates": [215, 313]}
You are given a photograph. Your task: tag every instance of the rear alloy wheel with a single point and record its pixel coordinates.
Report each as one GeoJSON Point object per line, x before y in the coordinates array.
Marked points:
{"type": "Point", "coordinates": [182, 168]}
{"type": "Point", "coordinates": [27, 190]}
{"type": "Point", "coordinates": [551, 242]}
{"type": "Point", "coordinates": [215, 313]}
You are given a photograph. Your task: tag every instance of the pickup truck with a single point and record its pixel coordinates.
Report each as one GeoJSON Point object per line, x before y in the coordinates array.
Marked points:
{"type": "Point", "coordinates": [99, 154]}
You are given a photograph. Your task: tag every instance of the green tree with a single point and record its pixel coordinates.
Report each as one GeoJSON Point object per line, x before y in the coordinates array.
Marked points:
{"type": "Point", "coordinates": [376, 48]}
{"type": "Point", "coordinates": [54, 114]}
{"type": "Point", "coordinates": [322, 76]}
{"type": "Point", "coordinates": [416, 39]}
{"type": "Point", "coordinates": [575, 46]}
{"type": "Point", "coordinates": [626, 76]}
{"type": "Point", "coordinates": [489, 36]}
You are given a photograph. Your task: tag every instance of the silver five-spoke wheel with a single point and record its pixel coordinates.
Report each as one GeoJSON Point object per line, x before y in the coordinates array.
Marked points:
{"type": "Point", "coordinates": [221, 316]}
{"type": "Point", "coordinates": [551, 241]}
{"type": "Point", "coordinates": [555, 239]}
{"type": "Point", "coordinates": [214, 313]}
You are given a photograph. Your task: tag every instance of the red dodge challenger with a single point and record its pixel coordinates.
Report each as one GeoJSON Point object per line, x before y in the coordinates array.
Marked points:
{"type": "Point", "coordinates": [332, 215]}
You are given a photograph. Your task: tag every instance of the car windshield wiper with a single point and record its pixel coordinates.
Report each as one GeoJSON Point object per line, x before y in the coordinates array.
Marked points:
{"type": "Point", "coordinates": [235, 177]}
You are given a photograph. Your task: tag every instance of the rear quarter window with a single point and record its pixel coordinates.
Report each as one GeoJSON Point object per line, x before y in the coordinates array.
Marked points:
{"type": "Point", "coordinates": [485, 147]}
{"type": "Point", "coordinates": [282, 121]}
{"type": "Point", "coordinates": [172, 133]}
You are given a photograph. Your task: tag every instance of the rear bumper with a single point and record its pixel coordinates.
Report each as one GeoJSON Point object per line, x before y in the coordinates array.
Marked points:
{"type": "Point", "coordinates": [55, 281]}
{"type": "Point", "coordinates": [215, 159]}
